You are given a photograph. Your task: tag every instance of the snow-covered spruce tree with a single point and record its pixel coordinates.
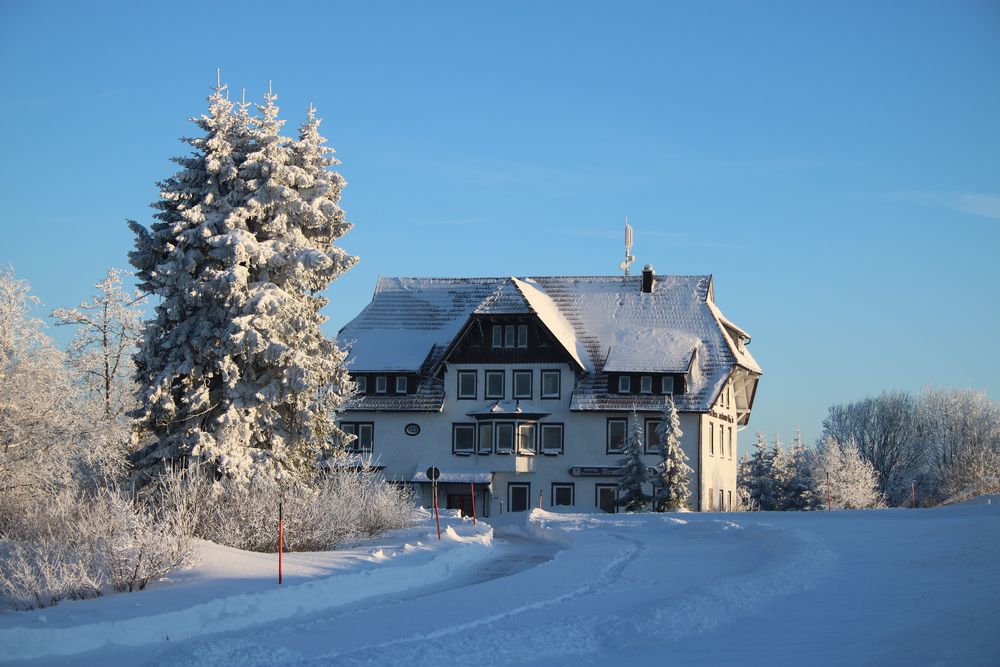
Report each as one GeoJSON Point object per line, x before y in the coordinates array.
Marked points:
{"type": "Point", "coordinates": [840, 473]}
{"type": "Point", "coordinates": [234, 368]}
{"type": "Point", "coordinates": [796, 492]}
{"type": "Point", "coordinates": [779, 472]}
{"type": "Point", "coordinates": [630, 493]}
{"type": "Point", "coordinates": [673, 474]}
{"type": "Point", "coordinates": [756, 474]}
{"type": "Point", "coordinates": [109, 326]}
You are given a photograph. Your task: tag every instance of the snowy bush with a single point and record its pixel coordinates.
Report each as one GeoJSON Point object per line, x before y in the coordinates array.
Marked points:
{"type": "Point", "coordinates": [68, 546]}
{"type": "Point", "coordinates": [345, 504]}
{"type": "Point", "coordinates": [843, 479]}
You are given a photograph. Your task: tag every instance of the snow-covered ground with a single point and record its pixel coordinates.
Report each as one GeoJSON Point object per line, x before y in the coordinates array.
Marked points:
{"type": "Point", "coordinates": [892, 587]}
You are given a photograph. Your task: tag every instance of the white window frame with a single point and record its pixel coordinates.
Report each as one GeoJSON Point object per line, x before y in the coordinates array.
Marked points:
{"type": "Point", "coordinates": [357, 429]}
{"type": "Point", "coordinates": [497, 336]}
{"type": "Point", "coordinates": [556, 486]}
{"type": "Point", "coordinates": [522, 336]}
{"type": "Point", "coordinates": [527, 438]}
{"type": "Point", "coordinates": [646, 384]}
{"type": "Point", "coordinates": [381, 384]}
{"type": "Point", "coordinates": [624, 384]}
{"type": "Point", "coordinates": [667, 385]}
{"type": "Point", "coordinates": [521, 374]}
{"type": "Point", "coordinates": [508, 335]}
{"type": "Point", "coordinates": [484, 447]}
{"type": "Point", "coordinates": [651, 436]}
{"type": "Point", "coordinates": [503, 377]}
{"type": "Point", "coordinates": [455, 428]}
{"type": "Point", "coordinates": [498, 446]}
{"type": "Point", "coordinates": [542, 428]}
{"type": "Point", "coordinates": [624, 425]}
{"type": "Point", "coordinates": [401, 384]}
{"type": "Point", "coordinates": [549, 374]}
{"type": "Point", "coordinates": [362, 384]}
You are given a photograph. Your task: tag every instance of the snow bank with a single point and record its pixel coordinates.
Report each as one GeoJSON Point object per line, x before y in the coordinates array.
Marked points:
{"type": "Point", "coordinates": [407, 567]}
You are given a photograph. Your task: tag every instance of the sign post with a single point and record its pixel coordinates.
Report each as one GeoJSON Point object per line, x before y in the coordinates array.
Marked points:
{"type": "Point", "coordinates": [281, 537]}
{"type": "Point", "coordinates": [472, 491]}
{"type": "Point", "coordinates": [432, 474]}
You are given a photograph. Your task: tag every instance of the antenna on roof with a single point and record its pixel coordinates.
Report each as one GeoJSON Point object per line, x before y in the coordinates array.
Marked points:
{"type": "Point", "coordinates": [629, 259]}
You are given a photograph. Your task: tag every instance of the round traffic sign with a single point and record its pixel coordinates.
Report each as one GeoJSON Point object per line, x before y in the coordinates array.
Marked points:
{"type": "Point", "coordinates": [433, 473]}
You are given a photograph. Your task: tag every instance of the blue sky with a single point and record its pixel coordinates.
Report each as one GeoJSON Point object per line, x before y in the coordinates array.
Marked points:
{"type": "Point", "coordinates": [836, 166]}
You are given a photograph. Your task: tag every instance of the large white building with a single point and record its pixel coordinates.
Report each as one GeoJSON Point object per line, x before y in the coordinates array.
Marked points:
{"type": "Point", "coordinates": [519, 390]}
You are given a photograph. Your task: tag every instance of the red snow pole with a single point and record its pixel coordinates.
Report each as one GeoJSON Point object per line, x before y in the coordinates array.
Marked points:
{"type": "Point", "coordinates": [437, 517]}
{"type": "Point", "coordinates": [539, 499]}
{"type": "Point", "coordinates": [472, 492]}
{"type": "Point", "coordinates": [281, 537]}
{"type": "Point", "coordinates": [829, 502]}
{"type": "Point", "coordinates": [913, 490]}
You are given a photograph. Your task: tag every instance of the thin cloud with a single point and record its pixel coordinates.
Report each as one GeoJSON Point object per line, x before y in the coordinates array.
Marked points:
{"type": "Point", "coordinates": [981, 205]}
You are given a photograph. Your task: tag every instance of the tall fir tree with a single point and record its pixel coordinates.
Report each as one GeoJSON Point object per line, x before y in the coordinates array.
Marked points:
{"type": "Point", "coordinates": [797, 493]}
{"type": "Point", "coordinates": [756, 475]}
{"type": "Point", "coordinates": [673, 474]}
{"type": "Point", "coordinates": [234, 368]}
{"type": "Point", "coordinates": [631, 495]}
{"type": "Point", "coordinates": [779, 472]}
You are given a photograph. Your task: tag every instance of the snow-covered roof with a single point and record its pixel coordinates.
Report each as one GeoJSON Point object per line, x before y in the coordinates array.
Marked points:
{"type": "Point", "coordinates": [509, 409]}
{"type": "Point", "coordinates": [605, 324]}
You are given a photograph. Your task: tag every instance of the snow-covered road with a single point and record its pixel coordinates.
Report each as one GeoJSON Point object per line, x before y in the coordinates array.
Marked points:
{"type": "Point", "coordinates": [888, 587]}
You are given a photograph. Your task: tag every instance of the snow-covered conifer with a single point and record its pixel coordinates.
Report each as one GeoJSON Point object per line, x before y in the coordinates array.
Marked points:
{"type": "Point", "coordinates": [673, 474]}
{"type": "Point", "coordinates": [234, 368]}
{"type": "Point", "coordinates": [630, 492]}
{"type": "Point", "coordinates": [797, 493]}
{"type": "Point", "coordinates": [756, 474]}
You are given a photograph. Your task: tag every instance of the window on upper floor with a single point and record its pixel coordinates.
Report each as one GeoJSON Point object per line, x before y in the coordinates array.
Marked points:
{"type": "Point", "coordinates": [711, 440]}
{"type": "Point", "coordinates": [497, 335]}
{"type": "Point", "coordinates": [526, 438]}
{"type": "Point", "coordinates": [522, 384]}
{"type": "Point", "coordinates": [486, 437]}
{"type": "Point", "coordinates": [522, 335]}
{"type": "Point", "coordinates": [616, 432]}
{"type": "Point", "coordinates": [381, 384]}
{"type": "Point", "coordinates": [624, 384]}
{"type": "Point", "coordinates": [362, 384]}
{"type": "Point", "coordinates": [504, 437]}
{"type": "Point", "coordinates": [551, 436]}
{"type": "Point", "coordinates": [467, 384]}
{"type": "Point", "coordinates": [550, 384]}
{"type": "Point", "coordinates": [652, 445]}
{"type": "Point", "coordinates": [463, 438]}
{"type": "Point", "coordinates": [646, 384]}
{"type": "Point", "coordinates": [401, 384]}
{"type": "Point", "coordinates": [508, 335]}
{"type": "Point", "coordinates": [667, 385]}
{"type": "Point", "coordinates": [494, 384]}
{"type": "Point", "coordinates": [364, 433]}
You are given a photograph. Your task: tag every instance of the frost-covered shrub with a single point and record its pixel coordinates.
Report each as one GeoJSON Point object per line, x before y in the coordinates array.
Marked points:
{"type": "Point", "coordinates": [345, 504]}
{"type": "Point", "coordinates": [843, 479]}
{"type": "Point", "coordinates": [69, 545]}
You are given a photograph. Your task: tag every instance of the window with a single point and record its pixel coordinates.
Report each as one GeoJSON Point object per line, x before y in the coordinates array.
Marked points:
{"type": "Point", "coordinates": [722, 451]}
{"type": "Point", "coordinates": [550, 384]}
{"type": "Point", "coordinates": [526, 438]}
{"type": "Point", "coordinates": [616, 436]}
{"type": "Point", "coordinates": [380, 384]}
{"type": "Point", "coordinates": [508, 336]}
{"type": "Point", "coordinates": [362, 383]}
{"type": "Point", "coordinates": [494, 384]}
{"type": "Point", "coordinates": [710, 496]}
{"type": "Point", "coordinates": [522, 335]}
{"type": "Point", "coordinates": [562, 494]}
{"type": "Point", "coordinates": [401, 385]}
{"type": "Point", "coordinates": [730, 442]}
{"type": "Point", "coordinates": [729, 505]}
{"type": "Point", "coordinates": [624, 384]}
{"type": "Point", "coordinates": [486, 437]}
{"type": "Point", "coordinates": [722, 500]}
{"type": "Point", "coordinates": [652, 438]}
{"type": "Point", "coordinates": [467, 384]}
{"type": "Point", "coordinates": [552, 438]}
{"type": "Point", "coordinates": [606, 497]}
{"type": "Point", "coordinates": [504, 438]}
{"type": "Point", "coordinates": [667, 386]}
{"type": "Point", "coordinates": [646, 384]}
{"type": "Point", "coordinates": [522, 384]}
{"type": "Point", "coordinates": [463, 438]}
{"type": "Point", "coordinates": [365, 435]}
{"type": "Point", "coordinates": [518, 496]}
{"type": "Point", "coordinates": [497, 335]}
{"type": "Point", "coordinates": [711, 439]}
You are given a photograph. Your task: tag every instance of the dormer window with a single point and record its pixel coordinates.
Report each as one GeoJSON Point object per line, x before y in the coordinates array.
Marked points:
{"type": "Point", "coordinates": [497, 336]}
{"type": "Point", "coordinates": [362, 384]}
{"type": "Point", "coordinates": [624, 384]}
{"type": "Point", "coordinates": [646, 384]}
{"type": "Point", "coordinates": [522, 335]}
{"type": "Point", "coordinates": [508, 336]}
{"type": "Point", "coordinates": [381, 384]}
{"type": "Point", "coordinates": [401, 384]}
{"type": "Point", "coordinates": [667, 386]}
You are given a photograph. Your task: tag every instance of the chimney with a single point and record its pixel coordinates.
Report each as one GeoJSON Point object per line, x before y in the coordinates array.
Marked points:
{"type": "Point", "coordinates": [647, 279]}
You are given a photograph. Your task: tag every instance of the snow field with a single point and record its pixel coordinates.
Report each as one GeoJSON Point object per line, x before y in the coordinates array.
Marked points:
{"type": "Point", "coordinates": [248, 594]}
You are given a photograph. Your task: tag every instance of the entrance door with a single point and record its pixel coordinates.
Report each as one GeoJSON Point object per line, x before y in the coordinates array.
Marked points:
{"type": "Point", "coordinates": [517, 497]}
{"type": "Point", "coordinates": [607, 495]}
{"type": "Point", "coordinates": [459, 501]}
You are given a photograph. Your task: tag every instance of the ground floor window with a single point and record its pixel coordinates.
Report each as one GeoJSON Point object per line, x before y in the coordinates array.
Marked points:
{"type": "Point", "coordinates": [562, 494]}
{"type": "Point", "coordinates": [722, 500]}
{"type": "Point", "coordinates": [606, 497]}
{"type": "Point", "coordinates": [518, 497]}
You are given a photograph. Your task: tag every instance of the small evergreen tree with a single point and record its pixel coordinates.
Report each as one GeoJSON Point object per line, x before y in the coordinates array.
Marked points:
{"type": "Point", "coordinates": [673, 474]}
{"type": "Point", "coordinates": [630, 493]}
{"type": "Point", "coordinates": [756, 475]}
{"type": "Point", "coordinates": [797, 493]}
{"type": "Point", "coordinates": [779, 472]}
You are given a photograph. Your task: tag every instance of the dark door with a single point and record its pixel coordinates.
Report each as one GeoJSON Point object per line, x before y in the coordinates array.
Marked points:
{"type": "Point", "coordinates": [517, 497]}
{"type": "Point", "coordinates": [459, 501]}
{"type": "Point", "coordinates": [607, 494]}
